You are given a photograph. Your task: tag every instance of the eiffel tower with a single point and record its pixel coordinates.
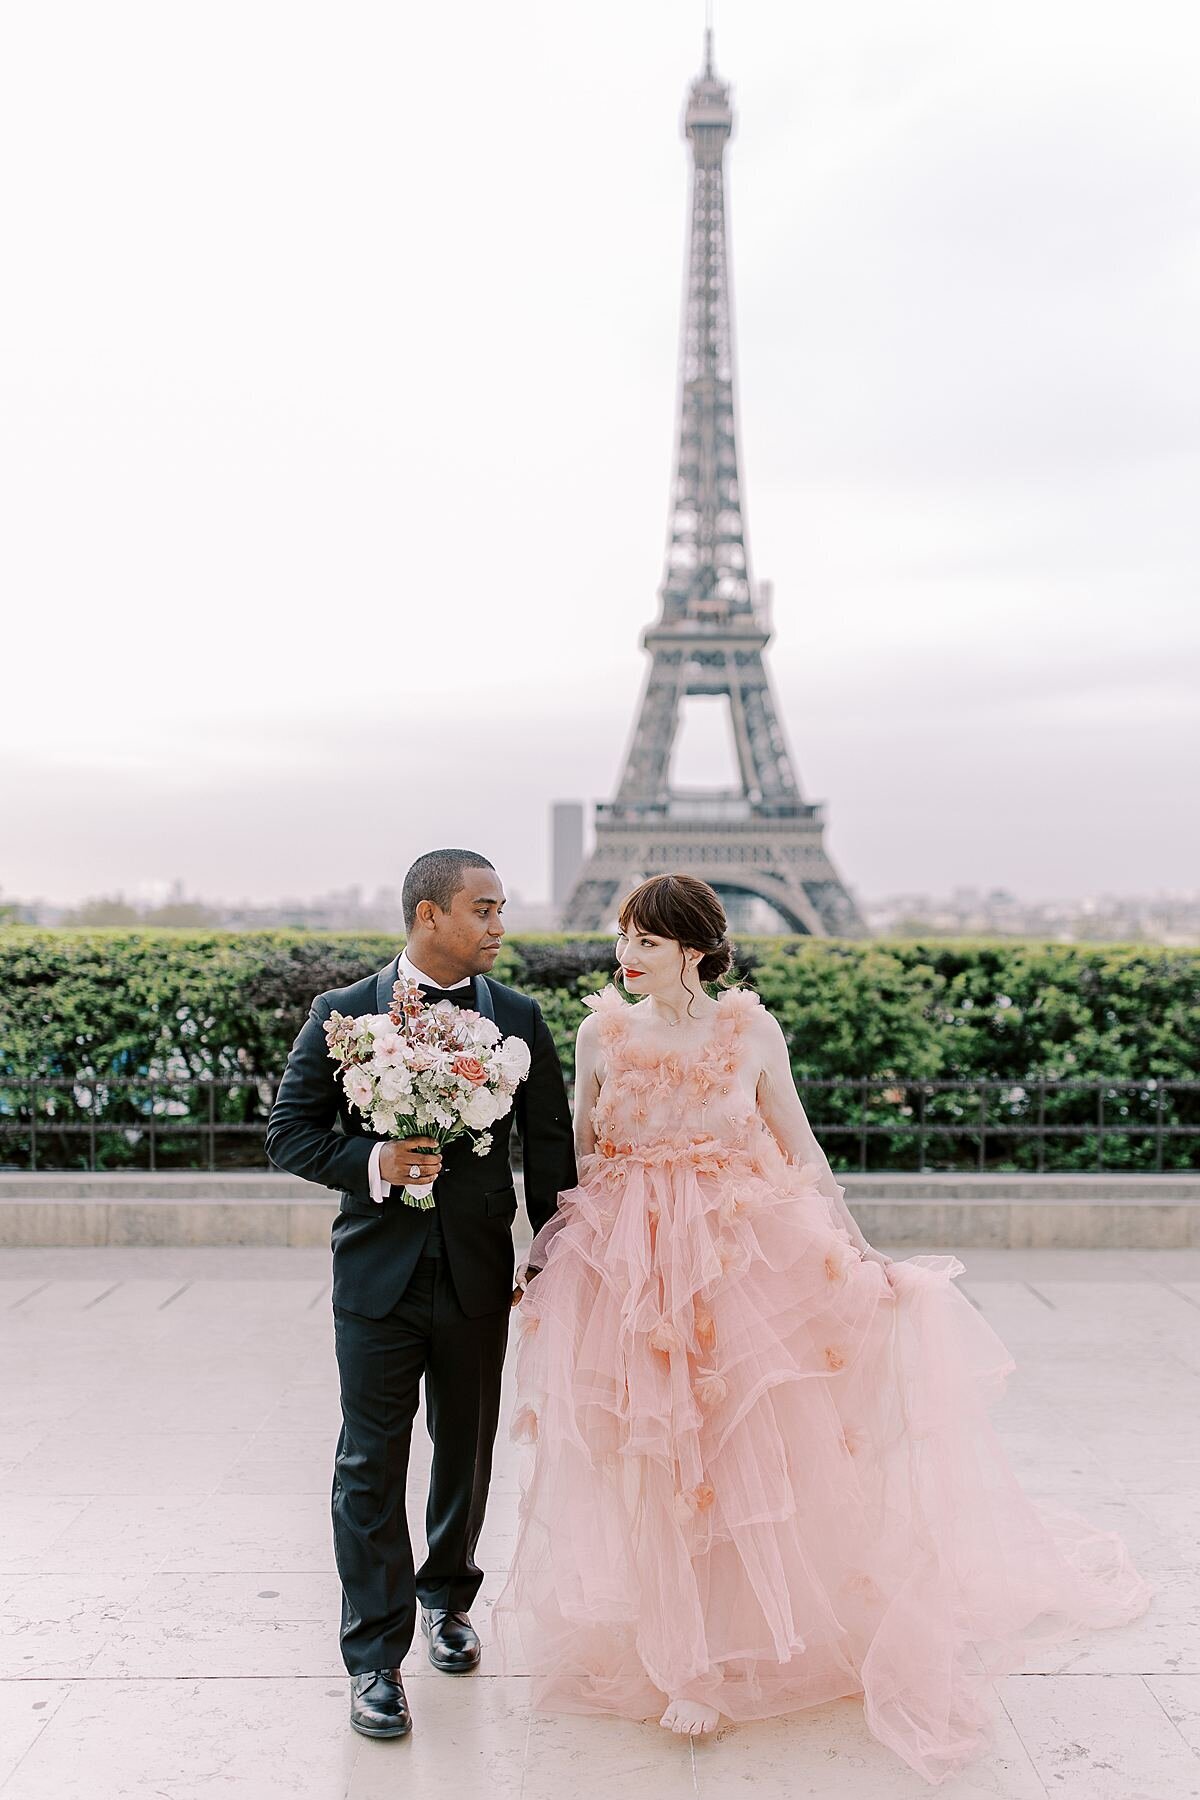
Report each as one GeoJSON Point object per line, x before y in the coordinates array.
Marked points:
{"type": "Point", "coordinates": [760, 838]}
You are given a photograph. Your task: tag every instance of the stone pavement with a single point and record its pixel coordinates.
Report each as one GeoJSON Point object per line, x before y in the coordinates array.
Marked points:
{"type": "Point", "coordinates": [168, 1604]}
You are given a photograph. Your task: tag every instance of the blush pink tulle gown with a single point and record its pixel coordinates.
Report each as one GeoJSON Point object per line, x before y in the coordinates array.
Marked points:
{"type": "Point", "coordinates": [761, 1476]}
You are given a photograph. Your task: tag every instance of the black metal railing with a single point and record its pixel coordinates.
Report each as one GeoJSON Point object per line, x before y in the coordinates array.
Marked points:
{"type": "Point", "coordinates": [885, 1123]}
{"type": "Point", "coordinates": [133, 1123]}
{"type": "Point", "coordinates": [1036, 1126]}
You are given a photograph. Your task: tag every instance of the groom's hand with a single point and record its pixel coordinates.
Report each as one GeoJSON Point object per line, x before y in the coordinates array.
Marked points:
{"type": "Point", "coordinates": [397, 1160]}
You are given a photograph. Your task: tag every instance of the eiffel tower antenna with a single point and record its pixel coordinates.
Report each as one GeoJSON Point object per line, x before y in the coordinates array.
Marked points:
{"type": "Point", "coordinates": [760, 838]}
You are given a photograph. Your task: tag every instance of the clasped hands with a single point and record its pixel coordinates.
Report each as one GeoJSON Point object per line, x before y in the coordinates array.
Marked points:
{"type": "Point", "coordinates": [418, 1159]}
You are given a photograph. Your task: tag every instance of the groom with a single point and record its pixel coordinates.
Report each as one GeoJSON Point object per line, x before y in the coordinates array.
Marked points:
{"type": "Point", "coordinates": [420, 1293]}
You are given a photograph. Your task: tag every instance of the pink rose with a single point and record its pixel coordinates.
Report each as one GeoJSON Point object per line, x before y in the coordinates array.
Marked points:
{"type": "Point", "coordinates": [470, 1068]}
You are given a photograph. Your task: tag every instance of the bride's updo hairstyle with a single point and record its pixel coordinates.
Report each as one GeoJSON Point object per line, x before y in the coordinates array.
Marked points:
{"type": "Point", "coordinates": [688, 910]}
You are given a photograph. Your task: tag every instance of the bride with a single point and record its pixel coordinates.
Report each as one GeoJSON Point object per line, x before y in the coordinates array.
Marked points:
{"type": "Point", "coordinates": [762, 1472]}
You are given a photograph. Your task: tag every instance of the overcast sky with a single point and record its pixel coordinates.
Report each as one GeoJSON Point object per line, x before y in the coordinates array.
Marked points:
{"type": "Point", "coordinates": [337, 389]}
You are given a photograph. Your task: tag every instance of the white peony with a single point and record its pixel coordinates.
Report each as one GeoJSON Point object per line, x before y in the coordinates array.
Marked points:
{"type": "Point", "coordinates": [514, 1059]}
{"type": "Point", "coordinates": [358, 1088]}
{"type": "Point", "coordinates": [394, 1084]}
{"type": "Point", "coordinates": [383, 1121]}
{"type": "Point", "coordinates": [485, 1032]}
{"type": "Point", "coordinates": [481, 1108]}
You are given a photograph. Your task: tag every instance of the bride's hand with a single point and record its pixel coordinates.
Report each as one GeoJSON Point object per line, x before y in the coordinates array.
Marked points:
{"type": "Point", "coordinates": [523, 1279]}
{"type": "Point", "coordinates": [877, 1256]}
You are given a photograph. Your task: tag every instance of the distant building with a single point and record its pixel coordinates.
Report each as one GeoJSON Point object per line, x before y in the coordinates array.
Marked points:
{"type": "Point", "coordinates": [566, 849]}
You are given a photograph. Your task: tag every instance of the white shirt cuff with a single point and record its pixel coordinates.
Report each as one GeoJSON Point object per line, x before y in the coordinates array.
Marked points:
{"type": "Point", "coordinates": [380, 1189]}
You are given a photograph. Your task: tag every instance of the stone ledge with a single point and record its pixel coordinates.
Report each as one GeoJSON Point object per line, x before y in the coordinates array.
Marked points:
{"type": "Point", "coordinates": [914, 1211]}
{"type": "Point", "coordinates": [270, 1185]}
{"type": "Point", "coordinates": [1103, 1224]}
{"type": "Point", "coordinates": [64, 1223]}
{"type": "Point", "coordinates": [142, 1184]}
{"type": "Point", "coordinates": [954, 1184]}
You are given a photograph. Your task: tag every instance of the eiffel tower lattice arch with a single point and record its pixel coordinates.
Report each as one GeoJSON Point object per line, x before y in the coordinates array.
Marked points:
{"type": "Point", "coordinates": [761, 837]}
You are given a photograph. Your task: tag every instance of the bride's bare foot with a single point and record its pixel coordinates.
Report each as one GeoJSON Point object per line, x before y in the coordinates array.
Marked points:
{"type": "Point", "coordinates": [690, 1718]}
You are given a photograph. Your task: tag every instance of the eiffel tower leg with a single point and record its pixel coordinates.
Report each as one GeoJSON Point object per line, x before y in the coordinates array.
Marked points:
{"type": "Point", "coordinates": [590, 904]}
{"type": "Point", "coordinates": [768, 751]}
{"type": "Point", "coordinates": [649, 755]}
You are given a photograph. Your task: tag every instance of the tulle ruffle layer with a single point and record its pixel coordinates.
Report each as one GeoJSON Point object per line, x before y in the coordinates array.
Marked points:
{"type": "Point", "coordinates": [764, 1477]}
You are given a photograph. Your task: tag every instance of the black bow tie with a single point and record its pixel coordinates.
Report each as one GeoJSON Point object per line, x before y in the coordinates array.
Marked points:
{"type": "Point", "coordinates": [459, 996]}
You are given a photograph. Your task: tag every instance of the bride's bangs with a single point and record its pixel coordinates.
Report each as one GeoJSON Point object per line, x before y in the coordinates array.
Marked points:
{"type": "Point", "coordinates": [679, 907]}
{"type": "Point", "coordinates": [632, 925]}
{"type": "Point", "coordinates": [648, 910]}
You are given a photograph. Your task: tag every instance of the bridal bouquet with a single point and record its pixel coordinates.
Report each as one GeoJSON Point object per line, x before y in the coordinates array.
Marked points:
{"type": "Point", "coordinates": [422, 1070]}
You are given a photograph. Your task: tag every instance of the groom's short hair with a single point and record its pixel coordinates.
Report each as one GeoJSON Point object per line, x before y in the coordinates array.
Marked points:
{"type": "Point", "coordinates": [437, 876]}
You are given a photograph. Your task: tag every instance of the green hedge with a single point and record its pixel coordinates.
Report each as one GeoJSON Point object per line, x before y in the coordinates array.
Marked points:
{"type": "Point", "coordinates": [870, 1027]}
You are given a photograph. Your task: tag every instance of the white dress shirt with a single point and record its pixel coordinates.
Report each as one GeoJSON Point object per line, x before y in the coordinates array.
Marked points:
{"type": "Point", "coordinates": [380, 1188]}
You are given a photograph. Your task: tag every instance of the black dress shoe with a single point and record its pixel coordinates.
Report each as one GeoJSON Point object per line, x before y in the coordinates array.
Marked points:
{"type": "Point", "coordinates": [377, 1704]}
{"type": "Point", "coordinates": [453, 1645]}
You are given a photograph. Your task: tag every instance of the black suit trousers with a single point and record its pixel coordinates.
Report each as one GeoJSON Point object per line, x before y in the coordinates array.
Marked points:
{"type": "Point", "coordinates": [381, 1363]}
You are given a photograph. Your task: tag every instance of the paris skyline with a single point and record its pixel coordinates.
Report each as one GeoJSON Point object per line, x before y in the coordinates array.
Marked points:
{"type": "Point", "coordinates": [295, 395]}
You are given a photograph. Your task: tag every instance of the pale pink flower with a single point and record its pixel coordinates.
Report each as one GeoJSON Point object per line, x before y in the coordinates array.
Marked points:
{"type": "Point", "coordinates": [339, 1034]}
{"type": "Point", "coordinates": [358, 1088]}
{"type": "Point", "coordinates": [697, 1499]}
{"type": "Point", "coordinates": [706, 1331]}
{"type": "Point", "coordinates": [524, 1429]}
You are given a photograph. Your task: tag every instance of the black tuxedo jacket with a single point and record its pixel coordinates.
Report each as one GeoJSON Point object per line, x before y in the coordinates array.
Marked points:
{"type": "Point", "coordinates": [314, 1132]}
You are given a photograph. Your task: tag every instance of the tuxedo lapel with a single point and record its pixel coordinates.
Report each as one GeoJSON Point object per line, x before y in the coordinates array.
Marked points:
{"type": "Point", "coordinates": [385, 981]}
{"type": "Point", "coordinates": [483, 998]}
